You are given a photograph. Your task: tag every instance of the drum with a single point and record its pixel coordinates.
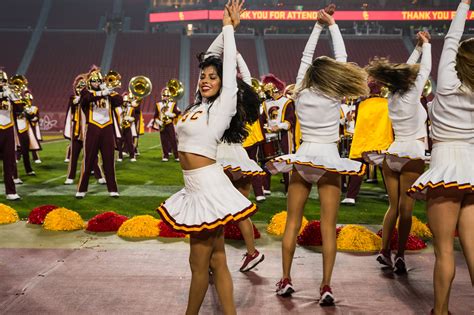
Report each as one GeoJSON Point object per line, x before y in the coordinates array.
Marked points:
{"type": "Point", "coordinates": [345, 145]}
{"type": "Point", "coordinates": [271, 147]}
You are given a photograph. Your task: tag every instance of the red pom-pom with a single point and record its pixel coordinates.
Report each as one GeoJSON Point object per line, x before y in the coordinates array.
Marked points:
{"type": "Point", "coordinates": [413, 242]}
{"type": "Point", "coordinates": [38, 214]}
{"type": "Point", "coordinates": [232, 232]}
{"type": "Point", "coordinates": [167, 231]}
{"type": "Point", "coordinates": [311, 235]}
{"type": "Point", "coordinates": [106, 222]}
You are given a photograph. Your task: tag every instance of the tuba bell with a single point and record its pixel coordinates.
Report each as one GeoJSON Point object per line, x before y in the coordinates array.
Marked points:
{"type": "Point", "coordinates": [140, 87]}
{"type": "Point", "coordinates": [176, 88]}
{"type": "Point", "coordinates": [113, 79]}
{"type": "Point", "coordinates": [384, 91]}
{"type": "Point", "coordinates": [428, 88]}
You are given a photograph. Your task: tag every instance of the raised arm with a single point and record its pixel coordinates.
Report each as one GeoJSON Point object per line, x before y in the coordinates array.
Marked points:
{"type": "Point", "coordinates": [340, 53]}
{"type": "Point", "coordinates": [425, 69]}
{"type": "Point", "coordinates": [244, 70]}
{"type": "Point", "coordinates": [415, 55]}
{"type": "Point", "coordinates": [447, 74]}
{"type": "Point", "coordinates": [308, 52]}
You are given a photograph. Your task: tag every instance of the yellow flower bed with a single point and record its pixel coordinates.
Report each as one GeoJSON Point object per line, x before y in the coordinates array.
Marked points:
{"type": "Point", "coordinates": [140, 226]}
{"type": "Point", "coordinates": [420, 229]}
{"type": "Point", "coordinates": [8, 214]}
{"type": "Point", "coordinates": [358, 238]}
{"type": "Point", "coordinates": [62, 219]}
{"type": "Point", "coordinates": [278, 223]}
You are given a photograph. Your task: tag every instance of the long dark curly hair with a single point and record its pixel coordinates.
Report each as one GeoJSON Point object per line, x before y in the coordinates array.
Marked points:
{"type": "Point", "coordinates": [248, 103]}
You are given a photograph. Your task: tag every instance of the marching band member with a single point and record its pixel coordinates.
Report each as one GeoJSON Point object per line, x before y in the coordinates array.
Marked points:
{"type": "Point", "coordinates": [34, 119]}
{"type": "Point", "coordinates": [232, 156]}
{"type": "Point", "coordinates": [279, 120]}
{"type": "Point", "coordinates": [448, 185]}
{"type": "Point", "coordinates": [320, 85]}
{"type": "Point", "coordinates": [98, 103]}
{"type": "Point", "coordinates": [138, 123]}
{"type": "Point", "coordinates": [7, 136]}
{"type": "Point", "coordinates": [209, 200]}
{"type": "Point", "coordinates": [74, 129]}
{"type": "Point", "coordinates": [126, 119]}
{"type": "Point", "coordinates": [404, 161]}
{"type": "Point", "coordinates": [165, 113]}
{"type": "Point", "coordinates": [252, 144]}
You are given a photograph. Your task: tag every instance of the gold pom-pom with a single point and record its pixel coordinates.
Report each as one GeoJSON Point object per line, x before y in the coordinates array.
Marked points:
{"type": "Point", "coordinates": [62, 219]}
{"type": "Point", "coordinates": [278, 223]}
{"type": "Point", "coordinates": [420, 229]}
{"type": "Point", "coordinates": [358, 238]}
{"type": "Point", "coordinates": [140, 226]}
{"type": "Point", "coordinates": [8, 214]}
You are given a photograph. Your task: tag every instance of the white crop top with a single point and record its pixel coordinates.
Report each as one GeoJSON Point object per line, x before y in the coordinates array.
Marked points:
{"type": "Point", "coordinates": [405, 110]}
{"type": "Point", "coordinates": [201, 128]}
{"type": "Point", "coordinates": [319, 114]}
{"type": "Point", "coordinates": [452, 110]}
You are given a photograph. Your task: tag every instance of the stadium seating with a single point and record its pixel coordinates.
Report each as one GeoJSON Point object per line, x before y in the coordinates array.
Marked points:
{"type": "Point", "coordinates": [136, 10]}
{"type": "Point", "coordinates": [77, 14]}
{"type": "Point", "coordinates": [362, 50]}
{"type": "Point", "coordinates": [11, 57]}
{"type": "Point", "coordinates": [20, 13]}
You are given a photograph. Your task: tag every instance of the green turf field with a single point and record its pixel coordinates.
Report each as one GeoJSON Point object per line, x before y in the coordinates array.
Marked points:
{"type": "Point", "coordinates": [143, 185]}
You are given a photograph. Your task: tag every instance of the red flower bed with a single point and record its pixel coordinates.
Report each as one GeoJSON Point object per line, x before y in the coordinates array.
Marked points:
{"type": "Point", "coordinates": [106, 222]}
{"type": "Point", "coordinates": [232, 232]}
{"type": "Point", "coordinates": [413, 242]}
{"type": "Point", "coordinates": [167, 231]}
{"type": "Point", "coordinates": [38, 214]}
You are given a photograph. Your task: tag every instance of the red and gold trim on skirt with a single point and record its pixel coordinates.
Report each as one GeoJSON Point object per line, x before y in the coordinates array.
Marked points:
{"type": "Point", "coordinates": [239, 216]}
{"type": "Point", "coordinates": [421, 187]}
{"type": "Point", "coordinates": [360, 172]}
{"type": "Point", "coordinates": [237, 169]}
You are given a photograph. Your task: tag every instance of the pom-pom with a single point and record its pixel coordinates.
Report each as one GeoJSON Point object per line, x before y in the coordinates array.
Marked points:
{"type": "Point", "coordinates": [8, 214]}
{"type": "Point", "coordinates": [167, 231]}
{"type": "Point", "coordinates": [413, 241]}
{"type": "Point", "coordinates": [106, 222]}
{"type": "Point", "coordinates": [420, 229]}
{"type": "Point", "coordinates": [38, 214]}
{"type": "Point", "coordinates": [358, 238]}
{"type": "Point", "coordinates": [140, 226]}
{"type": "Point", "coordinates": [278, 223]}
{"type": "Point", "coordinates": [232, 231]}
{"type": "Point", "coordinates": [311, 235]}
{"type": "Point", "coordinates": [62, 219]}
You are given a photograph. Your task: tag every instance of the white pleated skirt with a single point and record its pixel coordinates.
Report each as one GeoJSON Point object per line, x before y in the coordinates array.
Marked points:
{"type": "Point", "coordinates": [313, 160]}
{"type": "Point", "coordinates": [236, 162]}
{"type": "Point", "coordinates": [451, 168]}
{"type": "Point", "coordinates": [207, 202]}
{"type": "Point", "coordinates": [397, 155]}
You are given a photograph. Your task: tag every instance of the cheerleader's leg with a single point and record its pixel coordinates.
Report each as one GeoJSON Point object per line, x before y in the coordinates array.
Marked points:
{"type": "Point", "coordinates": [466, 232]}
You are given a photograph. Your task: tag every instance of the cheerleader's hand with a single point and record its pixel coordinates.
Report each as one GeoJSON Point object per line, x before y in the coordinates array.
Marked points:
{"type": "Point", "coordinates": [76, 99]}
{"type": "Point", "coordinates": [424, 37]}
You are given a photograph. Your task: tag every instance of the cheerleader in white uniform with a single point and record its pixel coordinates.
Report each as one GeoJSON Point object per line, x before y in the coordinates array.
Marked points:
{"type": "Point", "coordinates": [320, 86]}
{"type": "Point", "coordinates": [233, 157]}
{"type": "Point", "coordinates": [209, 200]}
{"type": "Point", "coordinates": [448, 185]}
{"type": "Point", "coordinates": [404, 160]}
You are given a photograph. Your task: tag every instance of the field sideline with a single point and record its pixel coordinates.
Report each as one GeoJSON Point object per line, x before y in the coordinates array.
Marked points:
{"type": "Point", "coordinates": [143, 185]}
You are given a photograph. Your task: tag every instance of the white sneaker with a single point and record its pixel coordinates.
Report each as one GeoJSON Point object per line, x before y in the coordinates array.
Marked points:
{"type": "Point", "coordinates": [17, 181]}
{"type": "Point", "coordinates": [114, 194]}
{"type": "Point", "coordinates": [80, 195]}
{"type": "Point", "coordinates": [38, 161]}
{"type": "Point", "coordinates": [119, 160]}
{"type": "Point", "coordinates": [32, 173]}
{"type": "Point", "coordinates": [13, 197]}
{"type": "Point", "coordinates": [125, 154]}
{"type": "Point", "coordinates": [101, 181]}
{"type": "Point", "coordinates": [66, 160]}
{"type": "Point", "coordinates": [133, 160]}
{"type": "Point", "coordinates": [349, 201]}
{"type": "Point", "coordinates": [176, 160]}
{"type": "Point", "coordinates": [69, 181]}
{"type": "Point", "coordinates": [260, 198]}
{"type": "Point", "coordinates": [164, 160]}
{"type": "Point", "coordinates": [267, 192]}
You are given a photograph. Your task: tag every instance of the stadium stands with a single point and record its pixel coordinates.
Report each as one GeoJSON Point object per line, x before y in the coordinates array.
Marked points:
{"type": "Point", "coordinates": [362, 50]}
{"type": "Point", "coordinates": [78, 14]}
{"type": "Point", "coordinates": [20, 13]}
{"type": "Point", "coordinates": [153, 55]}
{"type": "Point", "coordinates": [136, 10]}
{"type": "Point", "coordinates": [10, 57]}
{"type": "Point", "coordinates": [60, 56]}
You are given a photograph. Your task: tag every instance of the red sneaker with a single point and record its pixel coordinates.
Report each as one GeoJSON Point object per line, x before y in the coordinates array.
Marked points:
{"type": "Point", "coordinates": [284, 287]}
{"type": "Point", "coordinates": [251, 261]}
{"type": "Point", "coordinates": [327, 298]}
{"type": "Point", "coordinates": [385, 258]}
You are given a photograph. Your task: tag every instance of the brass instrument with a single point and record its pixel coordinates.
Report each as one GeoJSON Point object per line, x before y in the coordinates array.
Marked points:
{"type": "Point", "coordinates": [289, 91]}
{"type": "Point", "coordinates": [113, 80]}
{"type": "Point", "coordinates": [140, 87]}
{"type": "Point", "coordinates": [428, 88]}
{"type": "Point", "coordinates": [19, 86]}
{"type": "Point", "coordinates": [125, 105]}
{"type": "Point", "coordinates": [258, 88]}
{"type": "Point", "coordinates": [384, 91]}
{"type": "Point", "coordinates": [176, 88]}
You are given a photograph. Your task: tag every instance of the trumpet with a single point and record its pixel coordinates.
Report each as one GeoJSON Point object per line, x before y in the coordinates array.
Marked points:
{"type": "Point", "coordinates": [113, 79]}
{"type": "Point", "coordinates": [428, 88]}
{"type": "Point", "coordinates": [140, 87]}
{"type": "Point", "coordinates": [176, 88]}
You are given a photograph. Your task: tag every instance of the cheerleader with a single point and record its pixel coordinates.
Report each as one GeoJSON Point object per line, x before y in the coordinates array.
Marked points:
{"type": "Point", "coordinates": [98, 103]}
{"type": "Point", "coordinates": [209, 200]}
{"type": "Point", "coordinates": [74, 129]}
{"type": "Point", "coordinates": [404, 161]}
{"type": "Point", "coordinates": [233, 157]}
{"type": "Point", "coordinates": [448, 185]}
{"type": "Point", "coordinates": [320, 85]}
{"type": "Point", "coordinates": [7, 137]}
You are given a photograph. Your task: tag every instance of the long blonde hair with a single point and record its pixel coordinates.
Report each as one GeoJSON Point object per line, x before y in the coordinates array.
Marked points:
{"type": "Point", "coordinates": [335, 79]}
{"type": "Point", "coordinates": [398, 77]}
{"type": "Point", "coordinates": [465, 63]}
